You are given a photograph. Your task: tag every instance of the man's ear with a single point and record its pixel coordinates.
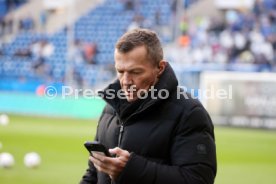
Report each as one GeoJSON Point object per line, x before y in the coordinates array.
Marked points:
{"type": "Point", "coordinates": [162, 65]}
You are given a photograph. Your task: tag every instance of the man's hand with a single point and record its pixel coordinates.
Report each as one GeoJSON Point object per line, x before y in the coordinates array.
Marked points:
{"type": "Point", "coordinates": [109, 165]}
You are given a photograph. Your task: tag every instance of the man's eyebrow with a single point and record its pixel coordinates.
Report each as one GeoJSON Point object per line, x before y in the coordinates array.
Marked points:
{"type": "Point", "coordinates": [136, 69]}
{"type": "Point", "coordinates": [129, 69]}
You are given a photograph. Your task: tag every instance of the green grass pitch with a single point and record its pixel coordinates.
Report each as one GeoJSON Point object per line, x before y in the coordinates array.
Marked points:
{"type": "Point", "coordinates": [245, 156]}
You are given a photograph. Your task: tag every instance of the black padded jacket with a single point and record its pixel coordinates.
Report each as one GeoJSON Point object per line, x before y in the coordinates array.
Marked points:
{"type": "Point", "coordinates": [170, 140]}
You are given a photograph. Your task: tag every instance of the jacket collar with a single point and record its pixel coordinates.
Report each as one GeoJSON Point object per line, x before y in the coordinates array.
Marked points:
{"type": "Point", "coordinates": [166, 81]}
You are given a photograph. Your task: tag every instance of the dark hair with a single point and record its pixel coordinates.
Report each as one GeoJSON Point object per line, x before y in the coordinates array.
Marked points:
{"type": "Point", "coordinates": [141, 37]}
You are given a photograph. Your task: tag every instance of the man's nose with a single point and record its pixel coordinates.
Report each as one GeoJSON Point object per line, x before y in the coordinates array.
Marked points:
{"type": "Point", "coordinates": [127, 80]}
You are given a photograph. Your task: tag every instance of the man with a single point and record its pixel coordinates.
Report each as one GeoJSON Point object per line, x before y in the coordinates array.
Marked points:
{"type": "Point", "coordinates": [158, 133]}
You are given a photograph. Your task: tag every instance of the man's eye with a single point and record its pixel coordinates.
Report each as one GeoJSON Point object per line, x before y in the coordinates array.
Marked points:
{"type": "Point", "coordinates": [136, 73]}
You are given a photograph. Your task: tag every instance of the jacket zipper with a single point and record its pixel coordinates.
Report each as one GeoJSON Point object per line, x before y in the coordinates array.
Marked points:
{"type": "Point", "coordinates": [120, 134]}
{"type": "Point", "coordinates": [122, 127]}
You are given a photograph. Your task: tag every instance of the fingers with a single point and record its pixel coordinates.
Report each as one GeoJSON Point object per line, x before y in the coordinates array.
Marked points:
{"type": "Point", "coordinates": [112, 166]}
{"type": "Point", "coordinates": [99, 157]}
{"type": "Point", "coordinates": [120, 152]}
{"type": "Point", "coordinates": [103, 165]}
{"type": "Point", "coordinates": [100, 165]}
{"type": "Point", "coordinates": [106, 162]}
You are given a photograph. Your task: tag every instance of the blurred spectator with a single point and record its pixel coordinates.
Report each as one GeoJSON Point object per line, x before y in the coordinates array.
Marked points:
{"type": "Point", "coordinates": [81, 53]}
{"type": "Point", "coordinates": [25, 52]}
{"type": "Point", "coordinates": [1, 49]}
{"type": "Point", "coordinates": [258, 8]}
{"type": "Point", "coordinates": [129, 5]}
{"type": "Point", "coordinates": [6, 25]}
{"type": "Point", "coordinates": [133, 25]}
{"type": "Point", "coordinates": [184, 40]}
{"type": "Point", "coordinates": [43, 17]}
{"type": "Point", "coordinates": [173, 6]}
{"type": "Point", "coordinates": [157, 18]}
{"type": "Point", "coordinates": [76, 59]}
{"type": "Point", "coordinates": [2, 26]}
{"type": "Point", "coordinates": [26, 23]}
{"type": "Point", "coordinates": [76, 53]}
{"type": "Point", "coordinates": [12, 4]}
{"type": "Point", "coordinates": [90, 50]}
{"type": "Point", "coordinates": [47, 49]}
{"type": "Point", "coordinates": [41, 50]}
{"type": "Point", "coordinates": [137, 22]}
{"type": "Point", "coordinates": [244, 36]}
{"type": "Point", "coordinates": [184, 25]}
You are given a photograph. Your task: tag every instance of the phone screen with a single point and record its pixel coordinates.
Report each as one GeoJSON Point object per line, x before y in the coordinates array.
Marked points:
{"type": "Point", "coordinates": [96, 147]}
{"type": "Point", "coordinates": [98, 152]}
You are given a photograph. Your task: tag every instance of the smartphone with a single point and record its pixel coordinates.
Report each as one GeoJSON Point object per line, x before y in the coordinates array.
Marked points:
{"type": "Point", "coordinates": [96, 147]}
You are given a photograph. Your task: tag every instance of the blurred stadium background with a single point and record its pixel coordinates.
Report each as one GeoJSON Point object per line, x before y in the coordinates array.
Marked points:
{"type": "Point", "coordinates": [215, 45]}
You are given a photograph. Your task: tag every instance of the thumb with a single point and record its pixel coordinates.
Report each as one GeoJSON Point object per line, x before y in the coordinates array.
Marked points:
{"type": "Point", "coordinates": [115, 150]}
{"type": "Point", "coordinates": [118, 151]}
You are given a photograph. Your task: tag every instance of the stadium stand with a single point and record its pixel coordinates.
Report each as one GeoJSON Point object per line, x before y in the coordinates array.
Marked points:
{"type": "Point", "coordinates": [207, 43]}
{"type": "Point", "coordinates": [102, 26]}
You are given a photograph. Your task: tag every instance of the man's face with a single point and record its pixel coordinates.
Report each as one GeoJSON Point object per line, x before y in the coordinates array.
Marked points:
{"type": "Point", "coordinates": [135, 72]}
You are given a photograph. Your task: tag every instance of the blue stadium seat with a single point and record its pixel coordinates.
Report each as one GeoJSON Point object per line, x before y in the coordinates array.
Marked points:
{"type": "Point", "coordinates": [102, 25]}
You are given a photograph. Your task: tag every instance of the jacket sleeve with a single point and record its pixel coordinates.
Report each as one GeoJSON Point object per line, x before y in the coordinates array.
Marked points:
{"type": "Point", "coordinates": [192, 156]}
{"type": "Point", "coordinates": [90, 176]}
